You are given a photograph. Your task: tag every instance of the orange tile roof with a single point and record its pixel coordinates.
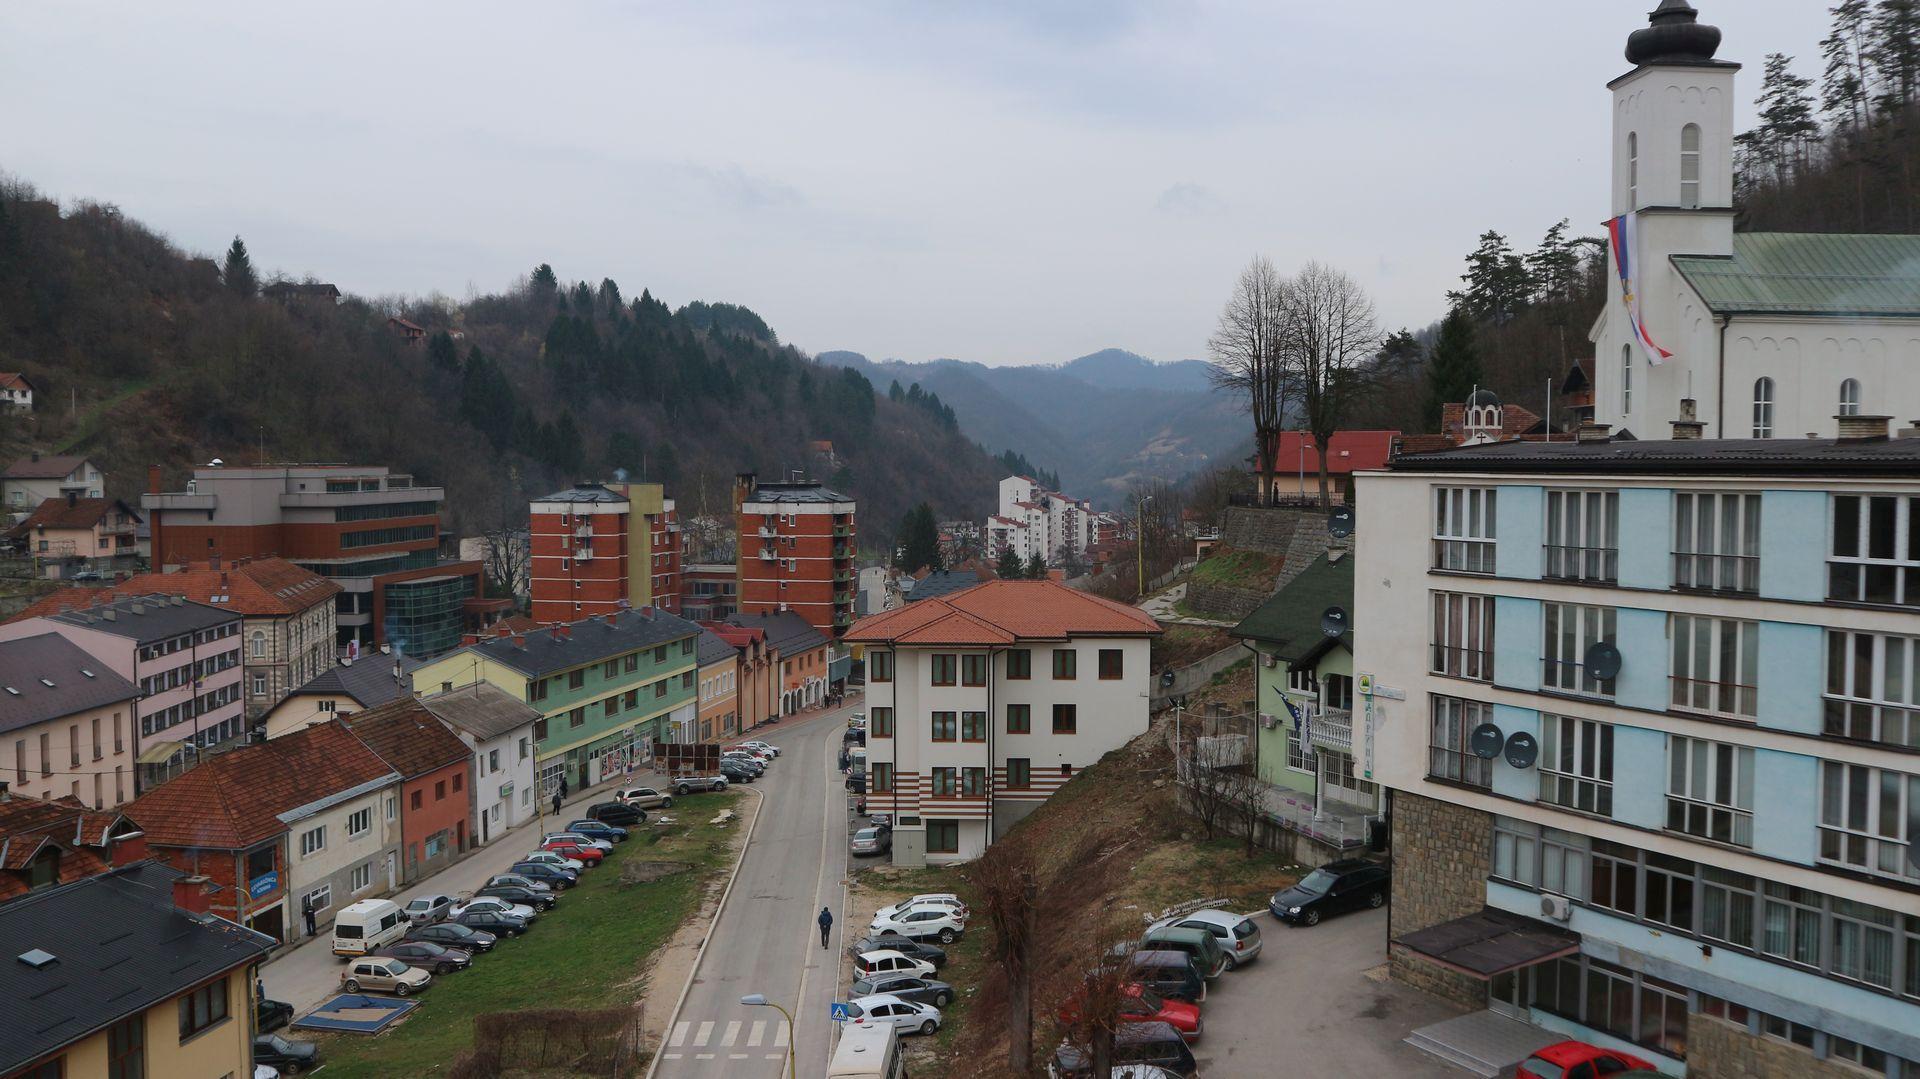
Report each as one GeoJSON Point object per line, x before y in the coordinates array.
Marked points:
{"type": "Point", "coordinates": [409, 738]}
{"type": "Point", "coordinates": [28, 825]}
{"type": "Point", "coordinates": [261, 587]}
{"type": "Point", "coordinates": [1002, 612]}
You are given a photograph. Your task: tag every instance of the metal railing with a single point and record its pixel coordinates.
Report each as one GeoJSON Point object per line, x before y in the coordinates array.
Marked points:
{"type": "Point", "coordinates": [1463, 555]}
{"type": "Point", "coordinates": [1868, 722]}
{"type": "Point", "coordinates": [1581, 563]}
{"type": "Point", "coordinates": [1716, 572]}
{"type": "Point", "coordinates": [1463, 662]}
{"type": "Point", "coordinates": [1707, 695]}
{"type": "Point", "coordinates": [1282, 501]}
{"type": "Point", "coordinates": [1708, 820]}
{"type": "Point", "coordinates": [1570, 676]}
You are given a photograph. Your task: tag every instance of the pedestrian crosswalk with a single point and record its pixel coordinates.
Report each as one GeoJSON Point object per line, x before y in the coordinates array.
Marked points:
{"type": "Point", "coordinates": [738, 1040]}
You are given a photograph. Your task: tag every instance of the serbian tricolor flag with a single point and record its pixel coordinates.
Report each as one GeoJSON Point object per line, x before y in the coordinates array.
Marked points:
{"type": "Point", "coordinates": [1624, 238]}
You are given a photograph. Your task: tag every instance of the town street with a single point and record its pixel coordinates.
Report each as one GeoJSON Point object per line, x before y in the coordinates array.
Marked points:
{"type": "Point", "coordinates": [765, 940]}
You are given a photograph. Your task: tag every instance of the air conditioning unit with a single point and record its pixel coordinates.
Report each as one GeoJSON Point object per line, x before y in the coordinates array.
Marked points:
{"type": "Point", "coordinates": [1268, 720]}
{"type": "Point", "coordinates": [1268, 659]}
{"type": "Point", "coordinates": [1557, 907]}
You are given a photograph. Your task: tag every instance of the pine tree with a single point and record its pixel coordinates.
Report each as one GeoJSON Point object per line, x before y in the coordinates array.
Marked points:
{"type": "Point", "coordinates": [1036, 567]}
{"type": "Point", "coordinates": [609, 295]}
{"type": "Point", "coordinates": [1498, 283]}
{"type": "Point", "coordinates": [1554, 266]}
{"type": "Point", "coordinates": [623, 451]}
{"type": "Point", "coordinates": [543, 283]}
{"type": "Point", "coordinates": [238, 273]}
{"type": "Point", "coordinates": [1895, 52]}
{"type": "Point", "coordinates": [1844, 95]}
{"type": "Point", "coordinates": [919, 543]}
{"type": "Point", "coordinates": [1455, 368]}
{"type": "Point", "coordinates": [1786, 113]}
{"type": "Point", "coordinates": [895, 393]}
{"type": "Point", "coordinates": [441, 352]}
{"type": "Point", "coordinates": [1009, 567]}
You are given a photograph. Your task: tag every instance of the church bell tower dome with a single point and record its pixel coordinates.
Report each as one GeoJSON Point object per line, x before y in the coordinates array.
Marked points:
{"type": "Point", "coordinates": [1673, 35]}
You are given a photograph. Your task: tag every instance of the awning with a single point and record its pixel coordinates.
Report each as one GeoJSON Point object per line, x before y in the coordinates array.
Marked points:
{"type": "Point", "coordinates": [158, 752]}
{"type": "Point", "coordinates": [1491, 942]}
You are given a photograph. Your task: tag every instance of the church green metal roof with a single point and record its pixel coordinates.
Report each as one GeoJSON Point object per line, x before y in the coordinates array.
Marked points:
{"type": "Point", "coordinates": [1808, 273]}
{"type": "Point", "coordinates": [1288, 624]}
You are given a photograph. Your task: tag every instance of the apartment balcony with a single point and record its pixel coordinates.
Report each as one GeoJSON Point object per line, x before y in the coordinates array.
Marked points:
{"type": "Point", "coordinates": [843, 599]}
{"type": "Point", "coordinates": [583, 554]}
{"type": "Point", "coordinates": [1333, 729]}
{"type": "Point", "coordinates": [841, 553]}
{"type": "Point", "coordinates": [583, 530]}
{"type": "Point", "coordinates": [766, 532]}
{"type": "Point", "coordinates": [842, 618]}
{"type": "Point", "coordinates": [842, 531]}
{"type": "Point", "coordinates": [1581, 563]}
{"type": "Point", "coordinates": [1716, 572]}
{"type": "Point", "coordinates": [768, 554]}
{"type": "Point", "coordinates": [844, 576]}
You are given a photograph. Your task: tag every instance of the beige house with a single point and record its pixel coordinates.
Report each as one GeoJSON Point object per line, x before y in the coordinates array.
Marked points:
{"type": "Point", "coordinates": [351, 685]}
{"type": "Point", "coordinates": [69, 534]}
{"type": "Point", "coordinates": [66, 723]}
{"type": "Point", "coordinates": [37, 477]}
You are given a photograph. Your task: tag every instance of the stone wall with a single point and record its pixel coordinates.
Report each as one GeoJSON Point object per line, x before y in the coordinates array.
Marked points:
{"type": "Point", "coordinates": [1717, 1049]}
{"type": "Point", "coordinates": [1295, 536]}
{"type": "Point", "coordinates": [1272, 530]}
{"type": "Point", "coordinates": [1462, 989]}
{"type": "Point", "coordinates": [1442, 854]}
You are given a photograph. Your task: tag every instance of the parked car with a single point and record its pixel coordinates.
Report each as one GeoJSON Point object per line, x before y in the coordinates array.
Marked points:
{"type": "Point", "coordinates": [604, 846]}
{"type": "Point", "coordinates": [1238, 935]}
{"type": "Point", "coordinates": [567, 848]}
{"type": "Point", "coordinates": [427, 955]}
{"type": "Point", "coordinates": [502, 906]}
{"type": "Point", "coordinates": [619, 813]}
{"type": "Point", "coordinates": [594, 829]}
{"type": "Point", "coordinates": [546, 873]}
{"type": "Point", "coordinates": [1169, 973]}
{"type": "Point", "coordinates": [685, 785]}
{"type": "Point", "coordinates": [1577, 1060]}
{"type": "Point", "coordinates": [490, 920]}
{"type": "Point", "coordinates": [290, 1056]}
{"type": "Point", "coordinates": [519, 895]}
{"type": "Point", "coordinates": [558, 861]}
{"type": "Point", "coordinates": [262, 1071]}
{"type": "Point", "coordinates": [921, 923]}
{"type": "Point", "coordinates": [1208, 957]}
{"type": "Point", "coordinates": [1139, 1004]}
{"type": "Point", "coordinates": [765, 758]}
{"type": "Point", "coordinates": [425, 909]}
{"type": "Point", "coordinates": [381, 974]}
{"type": "Point", "coordinates": [744, 762]}
{"type": "Point", "coordinates": [916, 949]}
{"type": "Point", "coordinates": [886, 1010]}
{"type": "Point", "coordinates": [1154, 1044]}
{"type": "Point", "coordinates": [455, 935]}
{"type": "Point", "coordinates": [516, 880]}
{"type": "Point", "coordinates": [1348, 884]}
{"type": "Point", "coordinates": [644, 798]}
{"type": "Point", "coordinates": [769, 747]}
{"type": "Point", "coordinates": [929, 899]}
{"type": "Point", "coordinates": [906, 987]}
{"type": "Point", "coordinates": [887, 961]}
{"type": "Point", "coordinates": [871, 841]}
{"type": "Point", "coordinates": [735, 772]}
{"type": "Point", "coordinates": [271, 1015]}
{"type": "Point", "coordinates": [857, 782]}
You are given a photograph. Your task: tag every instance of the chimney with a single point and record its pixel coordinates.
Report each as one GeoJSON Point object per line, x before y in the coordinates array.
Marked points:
{"type": "Point", "coordinates": [258, 736]}
{"type": "Point", "coordinates": [646, 612]}
{"type": "Point", "coordinates": [1688, 427]}
{"type": "Point", "coordinates": [153, 479]}
{"type": "Point", "coordinates": [613, 619]}
{"type": "Point", "coordinates": [563, 630]}
{"type": "Point", "coordinates": [193, 894]}
{"type": "Point", "coordinates": [213, 560]}
{"type": "Point", "coordinates": [743, 488]}
{"type": "Point", "coordinates": [128, 849]}
{"type": "Point", "coordinates": [501, 629]}
{"type": "Point", "coordinates": [1592, 432]}
{"type": "Point", "coordinates": [519, 642]}
{"type": "Point", "coordinates": [73, 497]}
{"type": "Point", "coordinates": [36, 455]}
{"type": "Point", "coordinates": [1863, 428]}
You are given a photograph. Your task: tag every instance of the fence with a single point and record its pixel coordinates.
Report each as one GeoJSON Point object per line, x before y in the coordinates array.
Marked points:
{"type": "Point", "coordinates": [599, 1042]}
{"type": "Point", "coordinates": [1168, 577]}
{"type": "Point", "coordinates": [1193, 676]}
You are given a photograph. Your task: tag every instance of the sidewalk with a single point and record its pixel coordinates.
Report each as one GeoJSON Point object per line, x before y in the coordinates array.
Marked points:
{"type": "Point", "coordinates": [1161, 608]}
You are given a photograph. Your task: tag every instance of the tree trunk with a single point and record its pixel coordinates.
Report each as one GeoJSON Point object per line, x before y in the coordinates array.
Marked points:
{"type": "Point", "coordinates": [1266, 448]}
{"type": "Point", "coordinates": [1020, 988]}
{"type": "Point", "coordinates": [1321, 444]}
{"type": "Point", "coordinates": [1101, 1050]}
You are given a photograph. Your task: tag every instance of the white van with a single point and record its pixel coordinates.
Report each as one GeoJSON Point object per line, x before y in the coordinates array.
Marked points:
{"type": "Point", "coordinates": [867, 1053]}
{"type": "Point", "coordinates": [367, 925]}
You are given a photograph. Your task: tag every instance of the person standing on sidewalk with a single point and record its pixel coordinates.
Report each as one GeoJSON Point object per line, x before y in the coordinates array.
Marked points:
{"type": "Point", "coordinates": [826, 925]}
{"type": "Point", "coordinates": [306, 912]}
{"type": "Point", "coordinates": [557, 796]}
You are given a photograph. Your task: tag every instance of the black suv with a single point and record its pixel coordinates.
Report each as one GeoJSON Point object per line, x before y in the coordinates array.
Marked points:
{"type": "Point", "coordinates": [1348, 884]}
{"type": "Point", "coordinates": [453, 935]}
{"type": "Point", "coordinates": [619, 814]}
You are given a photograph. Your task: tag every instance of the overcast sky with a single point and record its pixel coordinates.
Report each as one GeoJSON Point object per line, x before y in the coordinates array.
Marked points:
{"type": "Point", "coordinates": [1014, 181]}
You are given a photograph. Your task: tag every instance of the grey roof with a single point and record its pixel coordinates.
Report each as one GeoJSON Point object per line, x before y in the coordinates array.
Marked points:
{"type": "Point", "coordinates": [1289, 622]}
{"type": "Point", "coordinates": [368, 679]}
{"type": "Point", "coordinates": [1699, 457]}
{"type": "Point", "coordinates": [589, 640]}
{"type": "Point", "coordinates": [786, 632]}
{"type": "Point", "coordinates": [481, 709]}
{"type": "Point", "coordinates": [795, 492]}
{"type": "Point", "coordinates": [1802, 273]}
{"type": "Point", "coordinates": [120, 946]}
{"type": "Point", "coordinates": [80, 681]}
{"type": "Point", "coordinates": [584, 492]}
{"type": "Point", "coordinates": [712, 649]}
{"type": "Point", "coordinates": [941, 583]}
{"type": "Point", "coordinates": [146, 618]}
{"type": "Point", "coordinates": [46, 466]}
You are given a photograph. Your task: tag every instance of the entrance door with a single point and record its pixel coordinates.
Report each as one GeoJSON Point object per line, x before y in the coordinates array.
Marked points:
{"type": "Point", "coordinates": [393, 871]}
{"type": "Point", "coordinates": [1507, 994]}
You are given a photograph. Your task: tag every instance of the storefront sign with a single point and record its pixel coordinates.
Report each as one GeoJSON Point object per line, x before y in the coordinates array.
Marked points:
{"type": "Point", "coordinates": [263, 884]}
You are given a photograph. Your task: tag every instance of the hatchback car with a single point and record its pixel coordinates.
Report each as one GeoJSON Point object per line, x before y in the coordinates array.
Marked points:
{"type": "Point", "coordinates": [545, 873]}
{"type": "Point", "coordinates": [519, 896]}
{"type": "Point", "coordinates": [887, 961]}
{"type": "Point", "coordinates": [1238, 935]}
{"type": "Point", "coordinates": [595, 829]}
{"type": "Point", "coordinates": [454, 935]}
{"type": "Point", "coordinates": [379, 974]}
{"type": "Point", "coordinates": [1139, 1004]}
{"type": "Point", "coordinates": [558, 861]}
{"type": "Point", "coordinates": [425, 909]}
{"type": "Point", "coordinates": [745, 762]}
{"type": "Point", "coordinates": [499, 906]}
{"type": "Point", "coordinates": [1155, 1044]}
{"type": "Point", "coordinates": [290, 1056]}
{"type": "Point", "coordinates": [604, 846]}
{"type": "Point", "coordinates": [921, 923]}
{"type": "Point", "coordinates": [499, 923]}
{"type": "Point", "coordinates": [734, 772]}
{"type": "Point", "coordinates": [271, 1015]}
{"type": "Point", "coordinates": [519, 880]}
{"type": "Point", "coordinates": [1201, 946]}
{"type": "Point", "coordinates": [427, 955]}
{"type": "Point", "coordinates": [914, 949]}
{"type": "Point", "coordinates": [868, 842]}
{"type": "Point", "coordinates": [767, 747]}
{"type": "Point", "coordinates": [567, 848]}
{"type": "Point", "coordinates": [1168, 973]}
{"type": "Point", "coordinates": [887, 1010]}
{"type": "Point", "coordinates": [1348, 884]}
{"type": "Point", "coordinates": [1577, 1060]}
{"type": "Point", "coordinates": [619, 813]}
{"type": "Point", "coordinates": [644, 798]}
{"type": "Point", "coordinates": [685, 785]}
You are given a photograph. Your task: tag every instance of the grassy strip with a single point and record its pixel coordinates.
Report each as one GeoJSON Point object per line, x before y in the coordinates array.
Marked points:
{"type": "Point", "coordinates": [584, 953]}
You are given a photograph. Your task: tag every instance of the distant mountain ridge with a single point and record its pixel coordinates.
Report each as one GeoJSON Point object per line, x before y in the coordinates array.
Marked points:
{"type": "Point", "coordinates": [1103, 421]}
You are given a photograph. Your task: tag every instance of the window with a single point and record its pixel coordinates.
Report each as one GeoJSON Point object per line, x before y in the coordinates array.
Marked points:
{"type": "Point", "coordinates": [631, 662]}
{"type": "Point", "coordinates": [610, 669]}
{"type": "Point", "coordinates": [660, 653]}
{"type": "Point", "coordinates": [537, 690]}
{"type": "Point", "coordinates": [880, 666]}
{"type": "Point", "coordinates": [1583, 535]}
{"type": "Point", "coordinates": [1726, 905]}
{"type": "Point", "coordinates": [1066, 663]}
{"type": "Point", "coordinates": [1876, 550]}
{"type": "Point", "coordinates": [943, 664]}
{"type": "Point", "coordinates": [973, 726]}
{"type": "Point", "coordinates": [944, 782]}
{"type": "Point", "coordinates": [1616, 872]}
{"type": "Point", "coordinates": [1019, 773]}
{"type": "Point", "coordinates": [1633, 170]}
{"type": "Point", "coordinates": [257, 645]}
{"type": "Point", "coordinates": [1110, 663]}
{"type": "Point", "coordinates": [973, 781]}
{"type": "Point", "coordinates": [259, 684]}
{"type": "Point", "coordinates": [1716, 541]}
{"type": "Point", "coordinates": [1669, 895]}
{"type": "Point", "coordinates": [1710, 790]}
{"type": "Point", "coordinates": [610, 707]}
{"type": "Point", "coordinates": [1449, 756]}
{"type": "Point", "coordinates": [458, 780]}
{"type": "Point", "coordinates": [1463, 635]}
{"type": "Point", "coordinates": [361, 877]}
{"type": "Point", "coordinates": [418, 800]}
{"type": "Point", "coordinates": [576, 717]}
{"type": "Point", "coordinates": [359, 823]}
{"type": "Point", "coordinates": [1019, 663]}
{"type": "Point", "coordinates": [1861, 942]}
{"type": "Point", "coordinates": [1790, 923]}
{"type": "Point", "coordinates": [313, 841]}
{"type": "Point", "coordinates": [540, 730]}
{"type": "Point", "coordinates": [1463, 532]}
{"type": "Point", "coordinates": [1019, 719]}
{"type": "Point", "coordinates": [1715, 665]}
{"type": "Point", "coordinates": [1571, 629]}
{"type": "Point", "coordinates": [1690, 165]}
{"type": "Point", "coordinates": [1066, 718]}
{"type": "Point", "coordinates": [1864, 818]}
{"type": "Point", "coordinates": [943, 837]}
{"type": "Point", "coordinates": [945, 727]}
{"type": "Point", "coordinates": [1516, 854]}
{"type": "Point", "coordinates": [1849, 397]}
{"type": "Point", "coordinates": [1763, 408]}
{"type": "Point", "coordinates": [973, 670]}
{"type": "Point", "coordinates": [630, 699]}
{"type": "Point", "coordinates": [1871, 693]}
{"type": "Point", "coordinates": [882, 722]}
{"type": "Point", "coordinates": [493, 760]}
{"type": "Point", "coordinates": [127, 1048]}
{"type": "Point", "coordinates": [882, 776]}
{"type": "Point", "coordinates": [1576, 764]}
{"type": "Point", "coordinates": [1626, 380]}
{"type": "Point", "coordinates": [440, 790]}
{"type": "Point", "coordinates": [202, 1008]}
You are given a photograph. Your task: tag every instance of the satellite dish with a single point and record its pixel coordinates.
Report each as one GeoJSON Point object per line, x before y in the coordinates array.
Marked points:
{"type": "Point", "coordinates": [1333, 622]}
{"type": "Point", "coordinates": [1340, 522]}
{"type": "Point", "coordinates": [215, 463]}
{"type": "Point", "coordinates": [1603, 660]}
{"type": "Point", "coordinates": [1522, 749]}
{"type": "Point", "coordinates": [619, 475]}
{"type": "Point", "coordinates": [1486, 741]}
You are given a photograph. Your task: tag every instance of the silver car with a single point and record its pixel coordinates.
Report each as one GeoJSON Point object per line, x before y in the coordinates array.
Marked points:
{"type": "Point", "coordinates": [1239, 935]}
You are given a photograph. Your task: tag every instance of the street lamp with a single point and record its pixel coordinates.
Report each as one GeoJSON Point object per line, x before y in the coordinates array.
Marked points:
{"type": "Point", "coordinates": [758, 1000]}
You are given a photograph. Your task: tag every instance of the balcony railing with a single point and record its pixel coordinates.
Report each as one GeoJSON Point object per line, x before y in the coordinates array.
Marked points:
{"type": "Point", "coordinates": [1867, 722]}
{"type": "Point", "coordinates": [1719, 698]}
{"type": "Point", "coordinates": [1459, 766]}
{"type": "Point", "coordinates": [1708, 820]}
{"type": "Point", "coordinates": [583, 530]}
{"type": "Point", "coordinates": [842, 531]}
{"type": "Point", "coordinates": [841, 553]}
{"type": "Point", "coordinates": [1716, 572]}
{"type": "Point", "coordinates": [1873, 582]}
{"type": "Point", "coordinates": [1581, 563]}
{"type": "Point", "coordinates": [1570, 676]}
{"type": "Point", "coordinates": [766, 532]}
{"type": "Point", "coordinates": [768, 554]}
{"type": "Point", "coordinates": [1463, 662]}
{"type": "Point", "coordinates": [1463, 555]}
{"type": "Point", "coordinates": [1333, 729]}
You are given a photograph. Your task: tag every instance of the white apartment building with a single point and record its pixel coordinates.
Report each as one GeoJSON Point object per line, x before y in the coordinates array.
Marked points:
{"type": "Point", "coordinates": [1033, 519]}
{"type": "Point", "coordinates": [498, 728]}
{"type": "Point", "coordinates": [983, 702]}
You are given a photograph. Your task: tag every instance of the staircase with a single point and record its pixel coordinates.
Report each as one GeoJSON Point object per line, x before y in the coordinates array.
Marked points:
{"type": "Point", "coordinates": [1484, 1043]}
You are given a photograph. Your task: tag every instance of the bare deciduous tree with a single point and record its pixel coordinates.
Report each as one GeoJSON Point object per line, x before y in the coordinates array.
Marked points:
{"type": "Point", "coordinates": [1008, 892]}
{"type": "Point", "coordinates": [1331, 334]}
{"type": "Point", "coordinates": [1212, 770]}
{"type": "Point", "coordinates": [1248, 359]}
{"type": "Point", "coordinates": [508, 561]}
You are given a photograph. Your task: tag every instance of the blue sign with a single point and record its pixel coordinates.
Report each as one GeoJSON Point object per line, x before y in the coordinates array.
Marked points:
{"type": "Point", "coordinates": [264, 883]}
{"type": "Point", "coordinates": [839, 1012]}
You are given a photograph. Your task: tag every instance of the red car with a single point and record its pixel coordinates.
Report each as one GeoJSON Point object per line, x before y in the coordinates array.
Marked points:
{"type": "Point", "coordinates": [1578, 1060]}
{"type": "Point", "coordinates": [1142, 1005]}
{"type": "Point", "coordinates": [584, 855]}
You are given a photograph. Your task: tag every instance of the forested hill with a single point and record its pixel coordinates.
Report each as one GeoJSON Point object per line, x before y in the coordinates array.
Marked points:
{"type": "Point", "coordinates": [145, 354]}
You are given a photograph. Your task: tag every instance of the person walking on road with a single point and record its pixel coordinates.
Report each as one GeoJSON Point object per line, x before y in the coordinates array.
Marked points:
{"type": "Point", "coordinates": [556, 802]}
{"type": "Point", "coordinates": [826, 925]}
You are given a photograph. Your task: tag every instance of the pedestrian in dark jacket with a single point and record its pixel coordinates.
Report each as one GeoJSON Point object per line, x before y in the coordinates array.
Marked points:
{"type": "Point", "coordinates": [826, 925]}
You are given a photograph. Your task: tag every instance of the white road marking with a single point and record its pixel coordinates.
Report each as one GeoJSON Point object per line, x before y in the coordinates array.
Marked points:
{"type": "Point", "coordinates": [736, 1056]}
{"type": "Point", "coordinates": [703, 1056]}
{"type": "Point", "coordinates": [679, 1033]}
{"type": "Point", "coordinates": [701, 1035]}
{"type": "Point", "coordinates": [732, 1035]}
{"type": "Point", "coordinates": [780, 1035]}
{"type": "Point", "coordinates": [669, 1056]}
{"type": "Point", "coordinates": [758, 1031]}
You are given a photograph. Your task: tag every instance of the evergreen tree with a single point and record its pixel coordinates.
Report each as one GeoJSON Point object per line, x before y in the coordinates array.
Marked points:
{"type": "Point", "coordinates": [1455, 368]}
{"type": "Point", "coordinates": [1895, 53]}
{"type": "Point", "coordinates": [1036, 567]}
{"type": "Point", "coordinates": [623, 451]}
{"type": "Point", "coordinates": [609, 295]}
{"type": "Point", "coordinates": [543, 283]}
{"type": "Point", "coordinates": [568, 451]}
{"type": "Point", "coordinates": [1009, 567]}
{"type": "Point", "coordinates": [894, 392]}
{"type": "Point", "coordinates": [1498, 283]}
{"type": "Point", "coordinates": [665, 464]}
{"type": "Point", "coordinates": [238, 273]}
{"type": "Point", "coordinates": [919, 543]}
{"type": "Point", "coordinates": [1554, 266]}
{"type": "Point", "coordinates": [1844, 95]}
{"type": "Point", "coordinates": [441, 352]}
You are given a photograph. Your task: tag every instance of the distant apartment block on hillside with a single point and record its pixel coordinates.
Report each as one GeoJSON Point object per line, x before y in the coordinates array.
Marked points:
{"type": "Point", "coordinates": [1033, 520]}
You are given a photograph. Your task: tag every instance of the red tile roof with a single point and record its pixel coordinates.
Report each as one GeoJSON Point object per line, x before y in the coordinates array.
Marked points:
{"type": "Point", "coordinates": [13, 380]}
{"type": "Point", "coordinates": [28, 825]}
{"type": "Point", "coordinates": [737, 636]}
{"type": "Point", "coordinates": [409, 738]}
{"type": "Point", "coordinates": [261, 587]}
{"type": "Point", "coordinates": [74, 513]}
{"type": "Point", "coordinates": [1002, 612]}
{"type": "Point", "coordinates": [234, 799]}
{"type": "Point", "coordinates": [1347, 451]}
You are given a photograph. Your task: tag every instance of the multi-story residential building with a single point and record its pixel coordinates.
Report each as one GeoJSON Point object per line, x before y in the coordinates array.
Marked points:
{"type": "Point", "coordinates": [183, 656]}
{"type": "Point", "coordinates": [800, 659]}
{"type": "Point", "coordinates": [607, 688]}
{"type": "Point", "coordinates": [757, 698]}
{"type": "Point", "coordinates": [64, 536]}
{"type": "Point", "coordinates": [67, 723]}
{"type": "Point", "coordinates": [979, 706]}
{"type": "Point", "coordinates": [710, 591]}
{"type": "Point", "coordinates": [370, 531]}
{"type": "Point", "coordinates": [796, 553]}
{"type": "Point", "coordinates": [598, 548]}
{"type": "Point", "coordinates": [435, 768]}
{"type": "Point", "coordinates": [1646, 710]}
{"type": "Point", "coordinates": [309, 822]}
{"type": "Point", "coordinates": [499, 731]}
{"type": "Point", "coordinates": [125, 974]}
{"type": "Point", "coordinates": [1033, 520]}
{"type": "Point", "coordinates": [349, 686]}
{"type": "Point", "coordinates": [719, 687]}
{"type": "Point", "coordinates": [37, 477]}
{"type": "Point", "coordinates": [53, 842]}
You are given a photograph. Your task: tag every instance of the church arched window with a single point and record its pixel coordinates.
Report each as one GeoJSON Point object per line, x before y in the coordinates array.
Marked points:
{"type": "Point", "coordinates": [1626, 379]}
{"type": "Point", "coordinates": [1690, 165]}
{"type": "Point", "coordinates": [1633, 170]}
{"type": "Point", "coordinates": [1763, 408]}
{"type": "Point", "coordinates": [1850, 397]}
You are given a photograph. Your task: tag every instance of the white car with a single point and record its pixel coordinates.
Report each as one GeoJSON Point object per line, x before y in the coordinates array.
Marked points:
{"type": "Point", "coordinates": [490, 902]}
{"type": "Point", "coordinates": [644, 798]}
{"type": "Point", "coordinates": [547, 857]}
{"type": "Point", "coordinates": [768, 746]}
{"type": "Point", "coordinates": [427, 909]}
{"type": "Point", "coordinates": [921, 923]}
{"type": "Point", "coordinates": [578, 840]}
{"type": "Point", "coordinates": [888, 961]}
{"type": "Point", "coordinates": [263, 1071]}
{"type": "Point", "coordinates": [885, 1009]}
{"type": "Point", "coordinates": [929, 899]}
{"type": "Point", "coordinates": [1239, 935]}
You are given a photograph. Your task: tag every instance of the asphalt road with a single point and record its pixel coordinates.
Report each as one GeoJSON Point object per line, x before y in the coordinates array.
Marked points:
{"type": "Point", "coordinates": [765, 939]}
